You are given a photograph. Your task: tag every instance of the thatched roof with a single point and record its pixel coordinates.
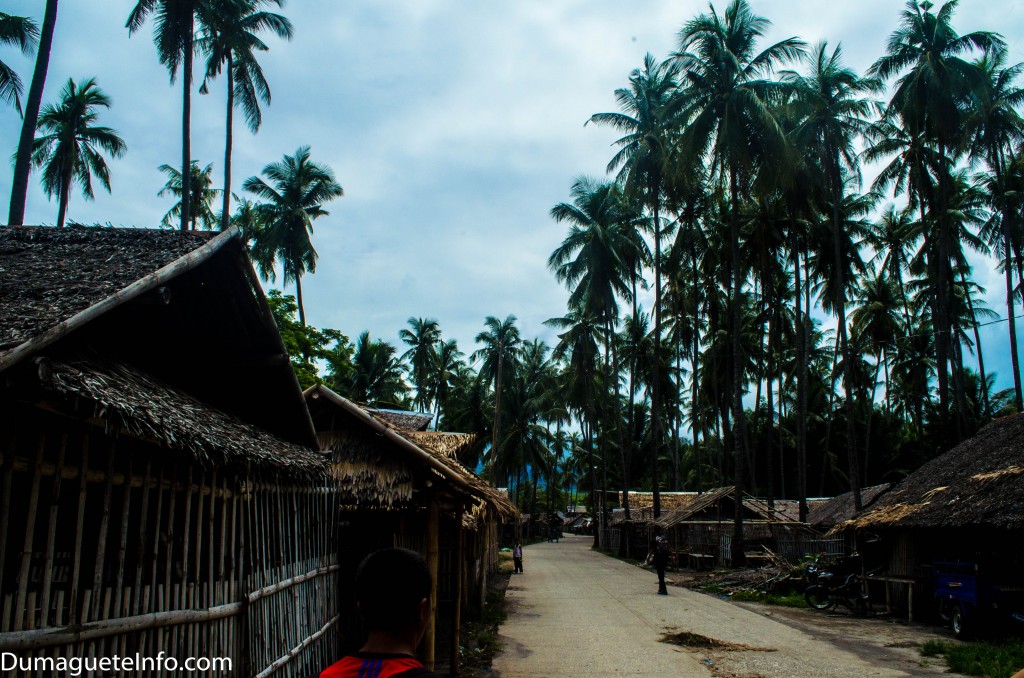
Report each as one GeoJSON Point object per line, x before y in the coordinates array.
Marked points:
{"type": "Point", "coordinates": [669, 500]}
{"type": "Point", "coordinates": [979, 483]}
{"type": "Point", "coordinates": [47, 275]}
{"type": "Point", "coordinates": [185, 308]}
{"type": "Point", "coordinates": [123, 397]}
{"type": "Point", "coordinates": [757, 509]}
{"type": "Point", "coordinates": [406, 421]}
{"type": "Point", "coordinates": [381, 472]}
{"type": "Point", "coordinates": [827, 513]}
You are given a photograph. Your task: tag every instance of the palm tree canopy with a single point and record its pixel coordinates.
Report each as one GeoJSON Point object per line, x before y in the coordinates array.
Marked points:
{"type": "Point", "coordinates": [23, 33]}
{"type": "Point", "coordinates": [229, 39]}
{"type": "Point", "coordinates": [202, 193]}
{"type": "Point", "coordinates": [500, 342]}
{"type": "Point", "coordinates": [293, 196]}
{"type": "Point", "coordinates": [172, 30]}
{"type": "Point", "coordinates": [70, 143]}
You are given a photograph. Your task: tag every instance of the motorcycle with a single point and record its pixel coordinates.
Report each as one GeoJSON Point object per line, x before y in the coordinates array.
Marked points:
{"type": "Point", "coordinates": [825, 590]}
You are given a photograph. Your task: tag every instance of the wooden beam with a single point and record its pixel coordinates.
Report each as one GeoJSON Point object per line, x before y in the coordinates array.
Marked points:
{"type": "Point", "coordinates": [433, 553]}
{"type": "Point", "coordinates": [457, 568]}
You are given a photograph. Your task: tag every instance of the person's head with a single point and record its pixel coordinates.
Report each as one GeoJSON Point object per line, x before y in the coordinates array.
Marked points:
{"type": "Point", "coordinates": [393, 591]}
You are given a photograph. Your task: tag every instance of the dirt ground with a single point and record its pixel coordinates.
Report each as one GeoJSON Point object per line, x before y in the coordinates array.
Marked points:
{"type": "Point", "coordinates": [576, 612]}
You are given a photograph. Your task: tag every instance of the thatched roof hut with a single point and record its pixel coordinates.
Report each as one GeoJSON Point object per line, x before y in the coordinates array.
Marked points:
{"type": "Point", "coordinates": [979, 483]}
{"type": "Point", "coordinates": [185, 308]}
{"type": "Point", "coordinates": [824, 514]}
{"type": "Point", "coordinates": [163, 490]}
{"type": "Point", "coordinates": [406, 421]}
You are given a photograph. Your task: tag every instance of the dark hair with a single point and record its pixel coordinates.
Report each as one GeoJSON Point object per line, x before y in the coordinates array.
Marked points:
{"type": "Point", "coordinates": [389, 587]}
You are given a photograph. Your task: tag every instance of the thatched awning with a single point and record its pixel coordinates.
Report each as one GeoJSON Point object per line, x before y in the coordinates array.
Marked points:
{"type": "Point", "coordinates": [405, 421]}
{"type": "Point", "coordinates": [827, 513]}
{"type": "Point", "coordinates": [979, 483]}
{"type": "Point", "coordinates": [123, 397]}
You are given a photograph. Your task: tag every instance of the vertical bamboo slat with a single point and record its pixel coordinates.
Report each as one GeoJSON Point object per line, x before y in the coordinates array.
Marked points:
{"type": "Point", "coordinates": [140, 551]}
{"type": "Point", "coordinates": [457, 592]}
{"type": "Point", "coordinates": [30, 530]}
{"type": "Point", "coordinates": [101, 541]}
{"type": "Point", "coordinates": [5, 507]}
{"type": "Point", "coordinates": [122, 548]}
{"type": "Point", "coordinates": [51, 533]}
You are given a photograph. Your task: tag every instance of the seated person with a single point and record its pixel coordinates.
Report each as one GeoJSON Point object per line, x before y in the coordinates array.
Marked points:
{"type": "Point", "coordinates": [393, 597]}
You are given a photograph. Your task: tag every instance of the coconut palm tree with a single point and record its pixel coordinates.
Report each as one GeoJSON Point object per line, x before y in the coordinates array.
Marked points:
{"type": "Point", "coordinates": [422, 337]}
{"type": "Point", "coordinates": [728, 106]}
{"type": "Point", "coordinates": [500, 342]}
{"type": "Point", "coordinates": [229, 39]}
{"type": "Point", "coordinates": [69, 148]}
{"type": "Point", "coordinates": [202, 196]}
{"type": "Point", "coordinates": [932, 92]}
{"type": "Point", "coordinates": [833, 107]}
{"type": "Point", "coordinates": [22, 33]}
{"type": "Point", "coordinates": [295, 197]}
{"type": "Point", "coordinates": [377, 374]}
{"type": "Point", "coordinates": [447, 360]}
{"type": "Point", "coordinates": [996, 127]}
{"type": "Point", "coordinates": [23, 156]}
{"type": "Point", "coordinates": [174, 37]}
{"type": "Point", "coordinates": [647, 119]}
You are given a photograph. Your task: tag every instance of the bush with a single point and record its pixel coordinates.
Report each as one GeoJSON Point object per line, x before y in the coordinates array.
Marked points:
{"type": "Point", "coordinates": [787, 600]}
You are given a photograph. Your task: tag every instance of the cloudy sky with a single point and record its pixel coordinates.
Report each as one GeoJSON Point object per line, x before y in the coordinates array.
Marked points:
{"type": "Point", "coordinates": [453, 126]}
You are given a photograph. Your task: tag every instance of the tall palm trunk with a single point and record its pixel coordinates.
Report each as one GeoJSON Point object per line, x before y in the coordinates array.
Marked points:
{"type": "Point", "coordinates": [23, 159]}
{"type": "Point", "coordinates": [1018, 396]}
{"type": "Point", "coordinates": [739, 433]}
{"type": "Point", "coordinates": [298, 300]}
{"type": "Point", "coordinates": [225, 217]}
{"type": "Point", "coordinates": [496, 428]}
{"type": "Point", "coordinates": [769, 432]}
{"type": "Point", "coordinates": [186, 135]}
{"type": "Point", "coordinates": [617, 414]}
{"type": "Point", "coordinates": [977, 343]}
{"type": "Point", "coordinates": [840, 303]}
{"type": "Point", "coordinates": [801, 385]}
{"type": "Point", "coordinates": [656, 369]}
{"type": "Point", "coordinates": [694, 365]}
{"type": "Point", "coordinates": [65, 196]}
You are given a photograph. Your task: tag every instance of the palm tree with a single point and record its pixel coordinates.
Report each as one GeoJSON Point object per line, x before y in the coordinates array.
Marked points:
{"type": "Point", "coordinates": [595, 261]}
{"type": "Point", "coordinates": [174, 37]}
{"type": "Point", "coordinates": [423, 336]}
{"type": "Point", "coordinates": [833, 110]}
{"type": "Point", "coordinates": [447, 360]}
{"type": "Point", "coordinates": [295, 197]}
{"type": "Point", "coordinates": [229, 39]}
{"type": "Point", "coordinates": [500, 343]}
{"type": "Point", "coordinates": [647, 120]}
{"type": "Point", "coordinates": [23, 158]}
{"type": "Point", "coordinates": [932, 91]}
{"type": "Point", "coordinates": [997, 126]}
{"type": "Point", "coordinates": [23, 33]}
{"type": "Point", "coordinates": [202, 195]}
{"type": "Point", "coordinates": [376, 377]}
{"type": "Point", "coordinates": [728, 108]}
{"type": "Point", "coordinates": [69, 147]}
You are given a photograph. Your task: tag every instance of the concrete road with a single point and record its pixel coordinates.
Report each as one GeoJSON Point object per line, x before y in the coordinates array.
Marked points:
{"type": "Point", "coordinates": [575, 612]}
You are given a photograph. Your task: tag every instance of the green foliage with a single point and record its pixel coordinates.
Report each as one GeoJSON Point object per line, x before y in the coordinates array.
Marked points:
{"type": "Point", "coordinates": [991, 659]}
{"type": "Point", "coordinates": [307, 346]}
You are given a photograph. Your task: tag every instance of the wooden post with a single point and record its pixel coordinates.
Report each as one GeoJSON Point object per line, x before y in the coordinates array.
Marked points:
{"type": "Point", "coordinates": [433, 519]}
{"type": "Point", "coordinates": [457, 590]}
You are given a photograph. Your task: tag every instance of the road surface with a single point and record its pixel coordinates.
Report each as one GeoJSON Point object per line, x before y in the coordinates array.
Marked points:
{"type": "Point", "coordinates": [575, 612]}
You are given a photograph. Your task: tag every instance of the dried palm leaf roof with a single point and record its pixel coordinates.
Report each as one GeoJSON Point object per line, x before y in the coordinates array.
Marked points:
{"type": "Point", "coordinates": [48, 275]}
{"type": "Point", "coordinates": [758, 507]}
{"type": "Point", "coordinates": [978, 483]}
{"type": "Point", "coordinates": [405, 421]}
{"type": "Point", "coordinates": [122, 396]}
{"type": "Point", "coordinates": [669, 500]}
{"type": "Point", "coordinates": [437, 450]}
{"type": "Point", "coordinates": [826, 514]}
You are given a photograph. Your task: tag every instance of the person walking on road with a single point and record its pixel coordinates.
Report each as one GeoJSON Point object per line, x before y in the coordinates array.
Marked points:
{"type": "Point", "coordinates": [660, 559]}
{"type": "Point", "coordinates": [517, 559]}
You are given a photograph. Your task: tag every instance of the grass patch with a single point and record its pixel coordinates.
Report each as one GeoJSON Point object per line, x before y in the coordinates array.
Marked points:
{"type": "Point", "coordinates": [787, 600]}
{"type": "Point", "coordinates": [480, 642]}
{"type": "Point", "coordinates": [990, 659]}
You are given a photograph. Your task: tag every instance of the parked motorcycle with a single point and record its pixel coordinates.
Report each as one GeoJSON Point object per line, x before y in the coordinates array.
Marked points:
{"type": "Point", "coordinates": [825, 590]}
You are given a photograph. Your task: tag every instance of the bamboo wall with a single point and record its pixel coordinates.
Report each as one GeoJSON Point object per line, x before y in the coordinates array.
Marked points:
{"type": "Point", "coordinates": [116, 546]}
